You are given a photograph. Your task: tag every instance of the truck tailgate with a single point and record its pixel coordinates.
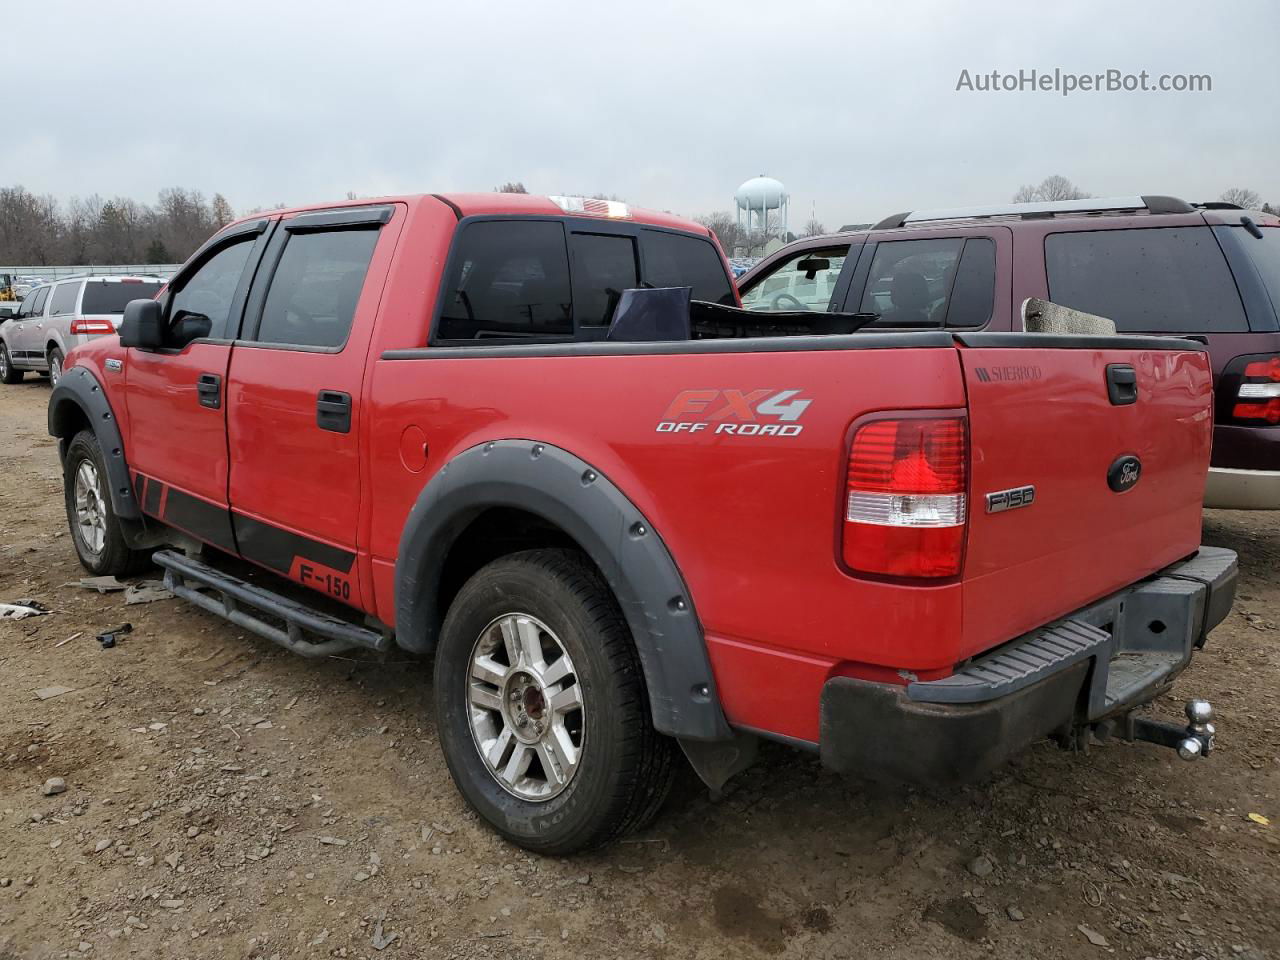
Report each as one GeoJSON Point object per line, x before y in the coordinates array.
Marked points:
{"type": "Point", "coordinates": [1045, 418]}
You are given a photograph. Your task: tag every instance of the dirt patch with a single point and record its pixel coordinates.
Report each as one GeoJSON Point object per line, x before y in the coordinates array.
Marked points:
{"type": "Point", "coordinates": [226, 799]}
{"type": "Point", "coordinates": [957, 916]}
{"type": "Point", "coordinates": [739, 914]}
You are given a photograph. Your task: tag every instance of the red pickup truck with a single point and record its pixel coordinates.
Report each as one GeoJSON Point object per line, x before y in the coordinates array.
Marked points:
{"type": "Point", "coordinates": [494, 428]}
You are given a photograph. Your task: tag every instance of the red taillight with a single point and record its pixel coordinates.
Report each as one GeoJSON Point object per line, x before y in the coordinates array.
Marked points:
{"type": "Point", "coordinates": [905, 503]}
{"type": "Point", "coordinates": [1258, 396]}
{"type": "Point", "coordinates": [80, 325]}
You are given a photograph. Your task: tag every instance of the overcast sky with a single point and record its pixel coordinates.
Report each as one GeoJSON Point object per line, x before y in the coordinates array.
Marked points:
{"type": "Point", "coordinates": [669, 105]}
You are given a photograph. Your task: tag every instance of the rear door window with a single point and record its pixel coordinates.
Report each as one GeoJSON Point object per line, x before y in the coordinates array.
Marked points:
{"type": "Point", "coordinates": [508, 279]}
{"type": "Point", "coordinates": [679, 260]}
{"type": "Point", "coordinates": [112, 296]}
{"type": "Point", "coordinates": [1151, 280]}
{"type": "Point", "coordinates": [805, 281]}
{"type": "Point", "coordinates": [64, 299]}
{"type": "Point", "coordinates": [909, 284]}
{"type": "Point", "coordinates": [315, 287]}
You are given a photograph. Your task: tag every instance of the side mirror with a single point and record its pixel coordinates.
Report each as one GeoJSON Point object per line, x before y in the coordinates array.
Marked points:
{"type": "Point", "coordinates": [188, 327]}
{"type": "Point", "coordinates": [143, 325]}
{"type": "Point", "coordinates": [7, 313]}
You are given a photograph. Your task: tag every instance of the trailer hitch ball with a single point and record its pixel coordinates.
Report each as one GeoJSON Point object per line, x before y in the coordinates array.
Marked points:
{"type": "Point", "coordinates": [1199, 711]}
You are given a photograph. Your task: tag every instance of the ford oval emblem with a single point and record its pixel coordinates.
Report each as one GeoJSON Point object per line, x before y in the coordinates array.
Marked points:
{"type": "Point", "coordinates": [1124, 473]}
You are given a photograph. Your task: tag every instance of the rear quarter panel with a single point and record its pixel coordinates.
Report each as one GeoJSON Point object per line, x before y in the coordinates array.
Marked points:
{"type": "Point", "coordinates": [752, 521]}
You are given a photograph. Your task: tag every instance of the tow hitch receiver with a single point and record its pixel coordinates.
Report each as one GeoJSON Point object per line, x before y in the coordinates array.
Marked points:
{"type": "Point", "coordinates": [1192, 742]}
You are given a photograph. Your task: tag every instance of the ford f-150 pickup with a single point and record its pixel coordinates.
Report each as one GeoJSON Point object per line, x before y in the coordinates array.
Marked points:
{"type": "Point", "coordinates": [539, 439]}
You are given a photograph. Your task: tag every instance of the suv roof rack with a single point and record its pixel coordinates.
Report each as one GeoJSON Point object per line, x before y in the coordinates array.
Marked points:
{"type": "Point", "coordinates": [1217, 205]}
{"type": "Point", "coordinates": [1032, 211]}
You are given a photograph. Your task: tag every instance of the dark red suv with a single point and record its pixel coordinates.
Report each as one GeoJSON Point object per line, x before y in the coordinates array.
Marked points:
{"type": "Point", "coordinates": [1153, 264]}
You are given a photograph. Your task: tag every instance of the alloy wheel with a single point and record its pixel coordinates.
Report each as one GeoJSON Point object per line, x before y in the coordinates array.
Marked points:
{"type": "Point", "coordinates": [525, 707]}
{"type": "Point", "coordinates": [91, 509]}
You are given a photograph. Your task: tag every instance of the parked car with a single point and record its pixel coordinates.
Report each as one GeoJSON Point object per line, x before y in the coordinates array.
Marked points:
{"type": "Point", "coordinates": [451, 418]}
{"type": "Point", "coordinates": [1154, 265]}
{"type": "Point", "coordinates": [58, 317]}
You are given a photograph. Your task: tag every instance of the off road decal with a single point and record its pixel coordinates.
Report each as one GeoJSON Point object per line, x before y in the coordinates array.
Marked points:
{"type": "Point", "coordinates": [763, 412]}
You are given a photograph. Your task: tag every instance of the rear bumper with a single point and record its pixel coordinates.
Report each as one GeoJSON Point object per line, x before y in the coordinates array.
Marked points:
{"type": "Point", "coordinates": [1100, 662]}
{"type": "Point", "coordinates": [1231, 489]}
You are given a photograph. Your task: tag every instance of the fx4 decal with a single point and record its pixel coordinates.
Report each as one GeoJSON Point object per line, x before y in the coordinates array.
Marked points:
{"type": "Point", "coordinates": [741, 413]}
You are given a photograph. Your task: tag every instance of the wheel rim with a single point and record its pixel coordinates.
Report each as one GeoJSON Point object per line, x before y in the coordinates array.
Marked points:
{"type": "Point", "coordinates": [4, 362]}
{"type": "Point", "coordinates": [525, 707]}
{"type": "Point", "coordinates": [55, 369]}
{"type": "Point", "coordinates": [91, 509]}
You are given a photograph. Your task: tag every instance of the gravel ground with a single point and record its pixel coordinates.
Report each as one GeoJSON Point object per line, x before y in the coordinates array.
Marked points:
{"type": "Point", "coordinates": [226, 799]}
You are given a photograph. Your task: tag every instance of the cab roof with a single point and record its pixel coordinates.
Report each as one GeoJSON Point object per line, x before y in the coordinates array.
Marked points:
{"type": "Point", "coordinates": [494, 204]}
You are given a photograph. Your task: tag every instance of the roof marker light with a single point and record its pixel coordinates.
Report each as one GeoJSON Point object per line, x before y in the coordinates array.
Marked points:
{"type": "Point", "coordinates": [591, 207]}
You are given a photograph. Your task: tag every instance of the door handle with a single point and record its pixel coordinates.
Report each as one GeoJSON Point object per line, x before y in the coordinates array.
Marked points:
{"type": "Point", "coordinates": [1122, 384]}
{"type": "Point", "coordinates": [333, 411]}
{"type": "Point", "coordinates": [209, 389]}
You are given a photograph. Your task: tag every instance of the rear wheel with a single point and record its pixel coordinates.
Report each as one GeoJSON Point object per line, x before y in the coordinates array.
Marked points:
{"type": "Point", "coordinates": [7, 372]}
{"type": "Point", "coordinates": [55, 366]}
{"type": "Point", "coordinates": [95, 529]}
{"type": "Point", "coordinates": [543, 714]}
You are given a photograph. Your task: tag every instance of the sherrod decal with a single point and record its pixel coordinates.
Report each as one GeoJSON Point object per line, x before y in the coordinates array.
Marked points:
{"type": "Point", "coordinates": [742, 413]}
{"type": "Point", "coordinates": [1010, 374]}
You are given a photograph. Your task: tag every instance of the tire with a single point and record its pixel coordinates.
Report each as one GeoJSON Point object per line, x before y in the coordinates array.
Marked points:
{"type": "Point", "coordinates": [55, 359]}
{"type": "Point", "coordinates": [8, 374]}
{"type": "Point", "coordinates": [623, 768]}
{"type": "Point", "coordinates": [95, 530]}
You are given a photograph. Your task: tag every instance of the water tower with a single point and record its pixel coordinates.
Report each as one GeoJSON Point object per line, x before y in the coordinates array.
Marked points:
{"type": "Point", "coordinates": [755, 199]}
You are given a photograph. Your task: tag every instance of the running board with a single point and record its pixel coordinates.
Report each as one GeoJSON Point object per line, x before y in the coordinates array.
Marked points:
{"type": "Point", "coordinates": [245, 604]}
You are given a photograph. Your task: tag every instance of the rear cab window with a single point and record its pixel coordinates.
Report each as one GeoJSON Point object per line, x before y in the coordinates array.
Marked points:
{"type": "Point", "coordinates": [679, 260]}
{"type": "Point", "coordinates": [551, 280]}
{"type": "Point", "coordinates": [1148, 280]}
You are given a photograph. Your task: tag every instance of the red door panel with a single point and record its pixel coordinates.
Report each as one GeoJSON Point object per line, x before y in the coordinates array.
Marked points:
{"type": "Point", "coordinates": [177, 443]}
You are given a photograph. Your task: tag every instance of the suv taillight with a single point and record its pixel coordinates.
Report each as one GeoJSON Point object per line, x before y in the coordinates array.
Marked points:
{"type": "Point", "coordinates": [905, 503]}
{"type": "Point", "coordinates": [1258, 395]}
{"type": "Point", "coordinates": [80, 325]}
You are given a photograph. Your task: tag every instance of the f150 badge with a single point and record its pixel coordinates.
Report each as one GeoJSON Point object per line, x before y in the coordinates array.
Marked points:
{"type": "Point", "coordinates": [1011, 499]}
{"type": "Point", "coordinates": [740, 413]}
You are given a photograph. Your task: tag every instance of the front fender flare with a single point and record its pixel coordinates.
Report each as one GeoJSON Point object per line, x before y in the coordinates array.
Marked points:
{"type": "Point", "coordinates": [79, 394]}
{"type": "Point", "coordinates": [565, 490]}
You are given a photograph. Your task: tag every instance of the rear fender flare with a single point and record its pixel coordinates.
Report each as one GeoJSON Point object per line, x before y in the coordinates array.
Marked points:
{"type": "Point", "coordinates": [79, 394]}
{"type": "Point", "coordinates": [565, 490]}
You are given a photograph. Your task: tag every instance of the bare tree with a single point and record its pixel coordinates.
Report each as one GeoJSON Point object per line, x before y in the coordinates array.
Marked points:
{"type": "Point", "coordinates": [1242, 197]}
{"type": "Point", "coordinates": [221, 210]}
{"type": "Point", "coordinates": [512, 186]}
{"type": "Point", "coordinates": [813, 228]}
{"type": "Point", "coordinates": [722, 224]}
{"type": "Point", "coordinates": [1056, 187]}
{"type": "Point", "coordinates": [37, 230]}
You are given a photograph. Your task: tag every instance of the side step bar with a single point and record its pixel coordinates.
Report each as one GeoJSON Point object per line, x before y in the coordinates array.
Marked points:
{"type": "Point", "coordinates": [244, 604]}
